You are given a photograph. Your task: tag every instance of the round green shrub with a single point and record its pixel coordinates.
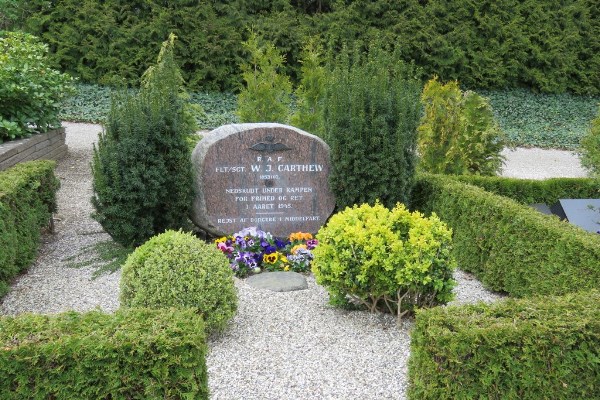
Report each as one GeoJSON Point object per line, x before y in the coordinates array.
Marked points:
{"type": "Point", "coordinates": [175, 269]}
{"type": "Point", "coordinates": [387, 260]}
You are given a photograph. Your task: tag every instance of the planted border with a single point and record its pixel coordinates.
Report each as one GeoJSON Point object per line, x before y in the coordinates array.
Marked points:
{"type": "Point", "coordinates": [133, 354]}
{"type": "Point", "coordinates": [541, 348]}
{"type": "Point", "coordinates": [509, 246]}
{"type": "Point", "coordinates": [27, 199]}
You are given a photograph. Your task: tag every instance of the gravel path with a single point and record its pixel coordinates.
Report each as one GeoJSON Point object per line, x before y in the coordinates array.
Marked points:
{"type": "Point", "coordinates": [541, 164]}
{"type": "Point", "coordinates": [280, 345]}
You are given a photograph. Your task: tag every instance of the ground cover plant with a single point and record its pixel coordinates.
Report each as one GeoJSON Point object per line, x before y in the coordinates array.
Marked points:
{"type": "Point", "coordinates": [532, 119]}
{"type": "Point", "coordinates": [529, 119]}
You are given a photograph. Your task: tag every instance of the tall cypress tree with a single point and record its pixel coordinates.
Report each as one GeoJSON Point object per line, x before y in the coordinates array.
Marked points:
{"type": "Point", "coordinates": [142, 172]}
{"type": "Point", "coordinates": [372, 111]}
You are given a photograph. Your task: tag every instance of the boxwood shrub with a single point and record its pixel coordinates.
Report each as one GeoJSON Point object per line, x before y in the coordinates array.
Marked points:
{"type": "Point", "coordinates": [176, 269]}
{"type": "Point", "coordinates": [511, 247]}
{"type": "Point", "coordinates": [541, 348]}
{"type": "Point", "coordinates": [27, 199]}
{"type": "Point", "coordinates": [133, 354]}
{"type": "Point", "coordinates": [386, 260]}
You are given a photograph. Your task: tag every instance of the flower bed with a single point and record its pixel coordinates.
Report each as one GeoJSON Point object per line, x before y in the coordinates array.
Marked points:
{"type": "Point", "coordinates": [252, 250]}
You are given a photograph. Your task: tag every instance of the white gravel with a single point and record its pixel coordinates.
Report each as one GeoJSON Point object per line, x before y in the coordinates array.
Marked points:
{"type": "Point", "coordinates": [50, 284]}
{"type": "Point", "coordinates": [541, 164]}
{"type": "Point", "coordinates": [280, 345]}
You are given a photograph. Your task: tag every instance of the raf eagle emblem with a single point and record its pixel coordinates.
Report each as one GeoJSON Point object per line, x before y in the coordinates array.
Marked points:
{"type": "Point", "coordinates": [269, 145]}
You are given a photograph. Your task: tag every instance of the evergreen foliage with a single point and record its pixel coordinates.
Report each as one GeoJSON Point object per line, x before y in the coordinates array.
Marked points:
{"type": "Point", "coordinates": [590, 146]}
{"type": "Point", "coordinates": [134, 354]}
{"type": "Point", "coordinates": [508, 245]}
{"type": "Point", "coordinates": [311, 91]}
{"type": "Point", "coordinates": [176, 269]}
{"type": "Point", "coordinates": [27, 200]}
{"type": "Point", "coordinates": [371, 116]}
{"type": "Point", "coordinates": [530, 349]}
{"type": "Point", "coordinates": [266, 96]}
{"type": "Point", "coordinates": [547, 45]}
{"type": "Point", "coordinates": [142, 174]}
{"type": "Point", "coordinates": [458, 133]}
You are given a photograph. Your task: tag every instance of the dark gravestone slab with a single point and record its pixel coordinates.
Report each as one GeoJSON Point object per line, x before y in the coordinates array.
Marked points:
{"type": "Point", "coordinates": [271, 176]}
{"type": "Point", "coordinates": [585, 213]}
{"type": "Point", "coordinates": [279, 281]}
{"type": "Point", "coordinates": [541, 207]}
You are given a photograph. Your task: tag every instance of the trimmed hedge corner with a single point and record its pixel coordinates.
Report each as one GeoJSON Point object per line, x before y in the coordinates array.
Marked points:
{"type": "Point", "coordinates": [540, 348]}
{"type": "Point", "coordinates": [133, 354]}
{"type": "Point", "coordinates": [27, 199]}
{"type": "Point", "coordinates": [509, 246]}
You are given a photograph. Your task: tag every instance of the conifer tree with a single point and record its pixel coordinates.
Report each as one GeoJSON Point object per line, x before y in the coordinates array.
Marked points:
{"type": "Point", "coordinates": [311, 91]}
{"type": "Point", "coordinates": [372, 112]}
{"type": "Point", "coordinates": [142, 172]}
{"type": "Point", "coordinates": [266, 96]}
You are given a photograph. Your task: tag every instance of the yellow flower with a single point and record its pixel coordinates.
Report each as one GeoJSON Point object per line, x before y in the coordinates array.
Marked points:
{"type": "Point", "coordinates": [220, 240]}
{"type": "Point", "coordinates": [271, 258]}
{"type": "Point", "coordinates": [286, 268]}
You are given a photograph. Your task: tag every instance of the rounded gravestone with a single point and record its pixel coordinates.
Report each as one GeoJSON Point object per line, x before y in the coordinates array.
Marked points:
{"type": "Point", "coordinates": [272, 176]}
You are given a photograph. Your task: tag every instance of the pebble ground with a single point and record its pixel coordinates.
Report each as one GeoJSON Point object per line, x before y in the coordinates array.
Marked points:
{"type": "Point", "coordinates": [289, 345]}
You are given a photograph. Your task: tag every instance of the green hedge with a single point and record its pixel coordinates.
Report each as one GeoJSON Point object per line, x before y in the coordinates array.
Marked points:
{"type": "Point", "coordinates": [529, 191]}
{"type": "Point", "coordinates": [133, 354]}
{"type": "Point", "coordinates": [548, 45]}
{"type": "Point", "coordinates": [27, 199]}
{"type": "Point", "coordinates": [509, 246]}
{"type": "Point", "coordinates": [541, 348]}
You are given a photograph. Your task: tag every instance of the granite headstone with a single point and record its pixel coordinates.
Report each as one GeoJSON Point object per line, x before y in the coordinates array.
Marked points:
{"type": "Point", "coordinates": [271, 176]}
{"type": "Point", "coordinates": [584, 213]}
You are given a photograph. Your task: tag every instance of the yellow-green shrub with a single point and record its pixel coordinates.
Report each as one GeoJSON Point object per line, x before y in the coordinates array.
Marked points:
{"type": "Point", "coordinates": [458, 133]}
{"type": "Point", "coordinates": [388, 260]}
{"type": "Point", "coordinates": [175, 269]}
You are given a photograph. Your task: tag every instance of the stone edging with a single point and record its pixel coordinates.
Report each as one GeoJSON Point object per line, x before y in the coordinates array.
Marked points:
{"type": "Point", "coordinates": [47, 146]}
